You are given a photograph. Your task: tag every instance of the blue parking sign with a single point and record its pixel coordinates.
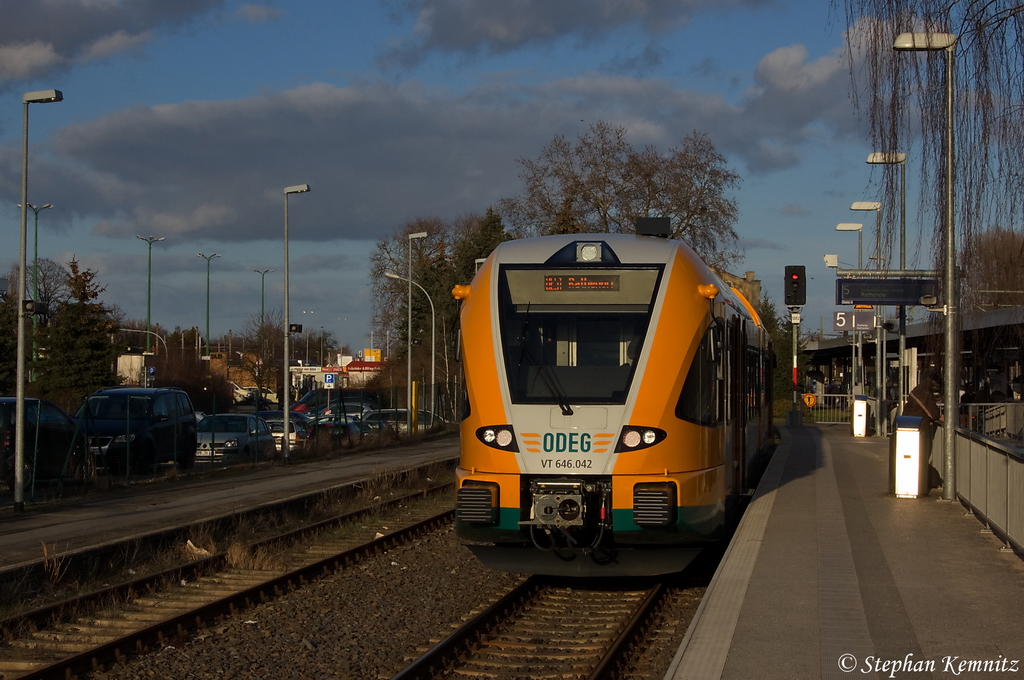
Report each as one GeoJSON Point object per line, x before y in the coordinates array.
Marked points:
{"type": "Point", "coordinates": [329, 381]}
{"type": "Point", "coordinates": [152, 371]}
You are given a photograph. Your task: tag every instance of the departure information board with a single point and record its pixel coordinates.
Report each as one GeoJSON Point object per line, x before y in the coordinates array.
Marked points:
{"type": "Point", "coordinates": [565, 282]}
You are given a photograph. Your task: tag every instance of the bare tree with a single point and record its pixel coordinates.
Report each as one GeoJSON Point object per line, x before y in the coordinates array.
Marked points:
{"type": "Point", "coordinates": [602, 184]}
{"type": "Point", "coordinates": [446, 257]}
{"type": "Point", "coordinates": [992, 270]}
{"type": "Point", "coordinates": [264, 345]}
{"type": "Point", "coordinates": [903, 95]}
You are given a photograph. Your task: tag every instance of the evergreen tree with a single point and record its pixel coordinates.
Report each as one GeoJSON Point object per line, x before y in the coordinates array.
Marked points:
{"type": "Point", "coordinates": [78, 356]}
{"type": "Point", "coordinates": [8, 345]}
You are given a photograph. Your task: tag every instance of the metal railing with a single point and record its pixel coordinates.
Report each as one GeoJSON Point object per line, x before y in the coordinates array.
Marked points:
{"type": "Point", "coordinates": [830, 409]}
{"type": "Point", "coordinates": [1001, 421]}
{"type": "Point", "coordinates": [989, 481]}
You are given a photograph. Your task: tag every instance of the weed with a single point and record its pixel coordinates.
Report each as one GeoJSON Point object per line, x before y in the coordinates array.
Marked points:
{"type": "Point", "coordinates": [54, 564]}
{"type": "Point", "coordinates": [242, 557]}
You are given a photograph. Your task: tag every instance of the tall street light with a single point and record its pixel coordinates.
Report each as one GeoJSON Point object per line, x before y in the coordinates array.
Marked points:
{"type": "Point", "coordinates": [263, 297]}
{"type": "Point", "coordinates": [879, 330]}
{"type": "Point", "coordinates": [149, 282]}
{"type": "Point", "coordinates": [285, 444]}
{"type": "Point", "coordinates": [40, 97]}
{"type": "Point", "coordinates": [208, 258]}
{"type": "Point", "coordinates": [408, 339]}
{"type": "Point", "coordinates": [933, 42]}
{"type": "Point", "coordinates": [859, 228]}
{"type": "Point", "coordinates": [35, 280]}
{"type": "Point", "coordinates": [433, 389]}
{"type": "Point", "coordinates": [898, 158]}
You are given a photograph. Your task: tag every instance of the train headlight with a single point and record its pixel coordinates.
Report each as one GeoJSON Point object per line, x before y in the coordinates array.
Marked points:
{"type": "Point", "coordinates": [634, 438]}
{"type": "Point", "coordinates": [498, 437]}
{"type": "Point", "coordinates": [588, 252]}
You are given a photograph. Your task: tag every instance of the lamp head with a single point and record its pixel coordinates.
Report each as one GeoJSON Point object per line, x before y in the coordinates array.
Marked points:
{"type": "Point", "coordinates": [887, 157]}
{"type": "Point", "coordinates": [866, 205]}
{"type": "Point", "coordinates": [924, 42]}
{"type": "Point", "coordinates": [849, 226]}
{"type": "Point", "coordinates": [297, 189]}
{"type": "Point", "coordinates": [42, 97]}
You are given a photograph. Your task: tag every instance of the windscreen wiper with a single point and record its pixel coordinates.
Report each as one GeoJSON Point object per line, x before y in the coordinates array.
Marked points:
{"type": "Point", "coordinates": [549, 378]}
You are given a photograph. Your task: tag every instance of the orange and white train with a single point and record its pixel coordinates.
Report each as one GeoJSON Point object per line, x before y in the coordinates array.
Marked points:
{"type": "Point", "coordinates": [618, 405]}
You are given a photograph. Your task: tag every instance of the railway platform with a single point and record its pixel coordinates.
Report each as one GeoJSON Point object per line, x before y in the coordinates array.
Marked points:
{"type": "Point", "coordinates": [831, 576]}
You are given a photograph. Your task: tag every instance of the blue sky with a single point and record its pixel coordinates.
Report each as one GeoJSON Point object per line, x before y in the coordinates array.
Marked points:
{"type": "Point", "coordinates": [186, 120]}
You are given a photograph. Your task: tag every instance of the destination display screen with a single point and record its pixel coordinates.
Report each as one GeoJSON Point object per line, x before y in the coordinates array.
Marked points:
{"type": "Point", "coordinates": [550, 289]}
{"type": "Point", "coordinates": [556, 283]}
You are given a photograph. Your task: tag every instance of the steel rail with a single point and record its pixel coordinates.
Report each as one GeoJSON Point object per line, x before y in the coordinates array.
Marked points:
{"type": "Point", "coordinates": [442, 655]}
{"type": "Point", "coordinates": [440, 659]}
{"type": "Point", "coordinates": [94, 660]}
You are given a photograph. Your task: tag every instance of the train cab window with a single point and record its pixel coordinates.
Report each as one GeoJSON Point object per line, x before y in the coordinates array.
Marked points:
{"type": "Point", "coordinates": [573, 335]}
{"type": "Point", "coordinates": [702, 396]}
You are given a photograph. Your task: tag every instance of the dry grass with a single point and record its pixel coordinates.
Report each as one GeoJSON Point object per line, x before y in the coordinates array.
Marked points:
{"type": "Point", "coordinates": [261, 559]}
{"type": "Point", "coordinates": [54, 564]}
{"type": "Point", "coordinates": [65, 578]}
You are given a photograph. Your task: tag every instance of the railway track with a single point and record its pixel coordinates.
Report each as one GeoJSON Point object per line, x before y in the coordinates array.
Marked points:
{"type": "Point", "coordinates": [86, 633]}
{"type": "Point", "coordinates": [543, 629]}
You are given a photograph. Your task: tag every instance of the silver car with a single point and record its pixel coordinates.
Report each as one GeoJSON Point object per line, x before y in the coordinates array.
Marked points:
{"type": "Point", "coordinates": [234, 437]}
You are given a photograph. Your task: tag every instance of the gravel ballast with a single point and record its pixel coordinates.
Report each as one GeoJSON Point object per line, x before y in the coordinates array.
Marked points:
{"type": "Point", "coordinates": [367, 621]}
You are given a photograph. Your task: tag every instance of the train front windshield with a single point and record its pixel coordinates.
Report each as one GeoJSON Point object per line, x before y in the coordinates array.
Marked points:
{"type": "Point", "coordinates": [573, 335]}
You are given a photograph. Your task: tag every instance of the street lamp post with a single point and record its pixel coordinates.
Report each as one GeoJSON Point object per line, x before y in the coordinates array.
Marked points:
{"type": "Point", "coordinates": [149, 283]}
{"type": "Point", "coordinates": [408, 339]}
{"type": "Point", "coordinates": [951, 366]}
{"type": "Point", "coordinates": [894, 158]}
{"type": "Point", "coordinates": [40, 97]}
{"type": "Point", "coordinates": [208, 258]}
{"type": "Point", "coordinates": [880, 350]}
{"type": "Point", "coordinates": [433, 394]}
{"type": "Point", "coordinates": [285, 444]}
{"type": "Point", "coordinates": [263, 345]}
{"type": "Point", "coordinates": [857, 371]}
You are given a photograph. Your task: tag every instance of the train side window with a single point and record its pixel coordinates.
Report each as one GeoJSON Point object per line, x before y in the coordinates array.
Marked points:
{"type": "Point", "coordinates": [700, 400]}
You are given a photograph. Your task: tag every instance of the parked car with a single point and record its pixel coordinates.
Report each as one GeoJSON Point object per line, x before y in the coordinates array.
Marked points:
{"type": "Point", "coordinates": [136, 428]}
{"type": "Point", "coordinates": [345, 428]}
{"type": "Point", "coordinates": [235, 436]}
{"type": "Point", "coordinates": [355, 408]}
{"type": "Point", "coordinates": [54, 449]}
{"type": "Point", "coordinates": [298, 428]}
{"type": "Point", "coordinates": [315, 400]}
{"type": "Point", "coordinates": [238, 393]}
{"type": "Point", "coordinates": [397, 419]}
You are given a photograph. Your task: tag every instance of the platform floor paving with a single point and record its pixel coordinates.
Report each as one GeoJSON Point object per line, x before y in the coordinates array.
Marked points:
{"type": "Point", "coordinates": [831, 576]}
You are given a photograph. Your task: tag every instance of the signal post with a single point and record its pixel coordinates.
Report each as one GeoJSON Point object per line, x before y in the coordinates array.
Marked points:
{"type": "Point", "coordinates": [796, 298]}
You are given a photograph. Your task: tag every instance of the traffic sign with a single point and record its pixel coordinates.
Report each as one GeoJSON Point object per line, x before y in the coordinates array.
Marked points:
{"type": "Point", "coordinates": [329, 381]}
{"type": "Point", "coordinates": [810, 400]}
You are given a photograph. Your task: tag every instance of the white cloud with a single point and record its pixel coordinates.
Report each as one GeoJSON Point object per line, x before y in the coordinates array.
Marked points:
{"type": "Point", "coordinates": [256, 14]}
{"type": "Point", "coordinates": [457, 26]}
{"type": "Point", "coordinates": [113, 44]}
{"type": "Point", "coordinates": [21, 62]}
{"type": "Point", "coordinates": [378, 154]}
{"type": "Point", "coordinates": [39, 37]}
